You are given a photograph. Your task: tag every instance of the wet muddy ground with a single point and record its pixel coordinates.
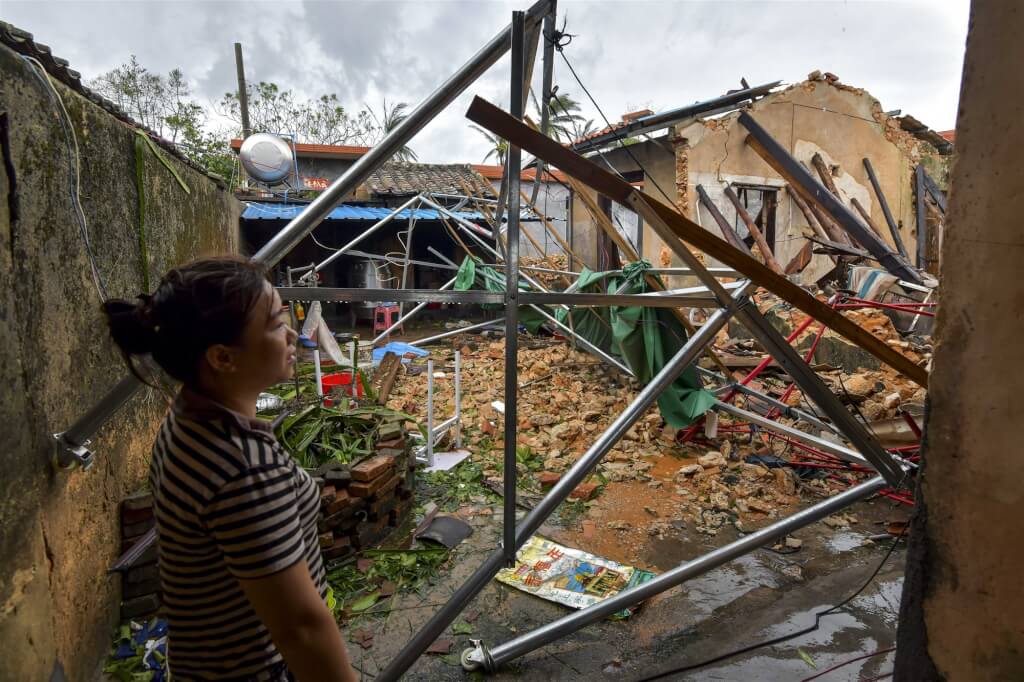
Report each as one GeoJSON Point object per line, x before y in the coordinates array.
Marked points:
{"type": "Point", "coordinates": [758, 597]}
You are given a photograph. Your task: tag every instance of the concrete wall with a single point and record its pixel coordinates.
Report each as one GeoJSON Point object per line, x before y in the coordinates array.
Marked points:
{"type": "Point", "coordinates": [552, 201]}
{"type": "Point", "coordinates": [58, 530]}
{"type": "Point", "coordinates": [658, 161]}
{"type": "Point", "coordinates": [843, 124]}
{"type": "Point", "coordinates": [963, 595]}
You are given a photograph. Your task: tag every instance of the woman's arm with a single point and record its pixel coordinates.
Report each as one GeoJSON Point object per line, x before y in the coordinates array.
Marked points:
{"type": "Point", "coordinates": [300, 624]}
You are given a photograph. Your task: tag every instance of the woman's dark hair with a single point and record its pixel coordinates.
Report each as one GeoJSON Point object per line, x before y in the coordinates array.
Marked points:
{"type": "Point", "coordinates": [198, 305]}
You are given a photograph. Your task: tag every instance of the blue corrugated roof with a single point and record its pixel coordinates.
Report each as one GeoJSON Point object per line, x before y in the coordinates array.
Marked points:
{"type": "Point", "coordinates": [260, 211]}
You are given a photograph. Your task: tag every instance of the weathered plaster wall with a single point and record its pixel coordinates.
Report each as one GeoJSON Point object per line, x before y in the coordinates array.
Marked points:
{"type": "Point", "coordinates": [844, 124]}
{"type": "Point", "coordinates": [58, 530]}
{"type": "Point", "coordinates": [659, 162]}
{"type": "Point", "coordinates": [964, 596]}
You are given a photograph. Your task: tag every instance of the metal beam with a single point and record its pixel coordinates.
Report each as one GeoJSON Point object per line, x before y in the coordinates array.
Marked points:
{"type": "Point", "coordinates": [576, 474]}
{"type": "Point", "coordinates": [491, 659]}
{"type": "Point", "coordinates": [668, 118]}
{"type": "Point", "coordinates": [894, 229]}
{"type": "Point", "coordinates": [498, 122]}
{"type": "Point", "coordinates": [70, 444]}
{"type": "Point", "coordinates": [813, 191]}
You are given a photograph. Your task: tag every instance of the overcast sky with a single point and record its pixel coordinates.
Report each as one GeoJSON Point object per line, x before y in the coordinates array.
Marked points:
{"type": "Point", "coordinates": [630, 54]}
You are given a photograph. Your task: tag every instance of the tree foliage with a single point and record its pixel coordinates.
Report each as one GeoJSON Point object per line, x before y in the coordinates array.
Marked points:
{"type": "Point", "coordinates": [165, 104]}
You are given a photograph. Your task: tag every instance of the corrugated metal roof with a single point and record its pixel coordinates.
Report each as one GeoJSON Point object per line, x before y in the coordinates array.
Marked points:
{"type": "Point", "coordinates": [261, 211]}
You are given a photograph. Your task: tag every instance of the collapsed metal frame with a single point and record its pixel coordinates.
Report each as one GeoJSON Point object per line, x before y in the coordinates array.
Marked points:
{"type": "Point", "coordinates": [72, 444]}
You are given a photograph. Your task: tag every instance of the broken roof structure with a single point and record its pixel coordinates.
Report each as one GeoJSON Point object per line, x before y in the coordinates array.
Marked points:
{"type": "Point", "coordinates": [659, 365]}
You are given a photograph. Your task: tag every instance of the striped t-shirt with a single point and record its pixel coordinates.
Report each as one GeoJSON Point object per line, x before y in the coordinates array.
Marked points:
{"type": "Point", "coordinates": [229, 503]}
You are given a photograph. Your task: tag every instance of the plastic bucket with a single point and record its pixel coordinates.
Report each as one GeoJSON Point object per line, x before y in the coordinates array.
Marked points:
{"type": "Point", "coordinates": [342, 379]}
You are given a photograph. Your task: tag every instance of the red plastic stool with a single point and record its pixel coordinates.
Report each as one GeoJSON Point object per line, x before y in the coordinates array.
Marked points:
{"type": "Point", "coordinates": [384, 316]}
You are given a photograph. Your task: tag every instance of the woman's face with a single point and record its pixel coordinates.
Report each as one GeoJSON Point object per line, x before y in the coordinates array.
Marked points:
{"type": "Point", "coordinates": [266, 352]}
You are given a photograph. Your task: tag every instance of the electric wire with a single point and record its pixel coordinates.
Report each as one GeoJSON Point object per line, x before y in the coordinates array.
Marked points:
{"type": "Point", "coordinates": [75, 168]}
{"type": "Point", "coordinates": [778, 640]}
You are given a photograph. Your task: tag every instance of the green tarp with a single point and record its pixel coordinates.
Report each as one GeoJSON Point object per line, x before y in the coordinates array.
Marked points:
{"type": "Point", "coordinates": [644, 338]}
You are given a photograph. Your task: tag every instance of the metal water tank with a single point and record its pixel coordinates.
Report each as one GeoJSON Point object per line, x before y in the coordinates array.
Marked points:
{"type": "Point", "coordinates": [267, 158]}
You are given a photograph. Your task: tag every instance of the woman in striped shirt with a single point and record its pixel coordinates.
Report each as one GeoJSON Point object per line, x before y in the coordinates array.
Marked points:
{"type": "Point", "coordinates": [241, 574]}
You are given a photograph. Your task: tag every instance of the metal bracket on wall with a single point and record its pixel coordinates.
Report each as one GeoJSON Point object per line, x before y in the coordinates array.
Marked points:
{"type": "Point", "coordinates": [69, 455]}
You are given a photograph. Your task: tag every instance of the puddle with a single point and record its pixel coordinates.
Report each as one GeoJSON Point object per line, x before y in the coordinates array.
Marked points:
{"type": "Point", "coordinates": [727, 584]}
{"type": "Point", "coordinates": [844, 541]}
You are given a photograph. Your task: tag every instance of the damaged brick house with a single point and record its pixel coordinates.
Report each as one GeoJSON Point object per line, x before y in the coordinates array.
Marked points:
{"type": "Point", "coordinates": [823, 123]}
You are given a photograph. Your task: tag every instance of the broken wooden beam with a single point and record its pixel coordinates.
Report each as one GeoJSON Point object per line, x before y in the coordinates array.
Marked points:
{"type": "Point", "coordinates": [723, 224]}
{"type": "Point", "coordinates": [816, 194]}
{"type": "Point", "coordinates": [800, 260]}
{"type": "Point", "coordinates": [933, 188]}
{"type": "Point", "coordinates": [500, 123]}
{"type": "Point", "coordinates": [762, 244]}
{"type": "Point", "coordinates": [894, 229]}
{"type": "Point", "coordinates": [922, 224]}
{"type": "Point", "coordinates": [867, 219]}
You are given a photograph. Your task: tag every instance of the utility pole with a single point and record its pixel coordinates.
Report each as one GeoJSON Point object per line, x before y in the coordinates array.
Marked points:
{"type": "Point", "coordinates": [243, 94]}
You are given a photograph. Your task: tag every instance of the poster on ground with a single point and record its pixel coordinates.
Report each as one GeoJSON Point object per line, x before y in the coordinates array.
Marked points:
{"type": "Point", "coordinates": [570, 576]}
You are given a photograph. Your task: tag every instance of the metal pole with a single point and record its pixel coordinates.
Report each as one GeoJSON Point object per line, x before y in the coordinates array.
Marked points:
{"type": "Point", "coordinates": [292, 233]}
{"type": "Point", "coordinates": [71, 442]}
{"type": "Point", "coordinates": [765, 423]}
{"type": "Point", "coordinates": [70, 445]}
{"type": "Point", "coordinates": [445, 335]}
{"type": "Point", "coordinates": [243, 93]}
{"type": "Point", "coordinates": [491, 659]}
{"type": "Point", "coordinates": [647, 397]}
{"type": "Point", "coordinates": [458, 400]}
{"type": "Point", "coordinates": [362, 235]}
{"type": "Point", "coordinates": [893, 227]}
{"type": "Point", "coordinates": [430, 413]}
{"type": "Point", "coordinates": [548, 66]}
{"type": "Point", "coordinates": [447, 285]}
{"type": "Point", "coordinates": [787, 356]}
{"type": "Point", "coordinates": [512, 299]}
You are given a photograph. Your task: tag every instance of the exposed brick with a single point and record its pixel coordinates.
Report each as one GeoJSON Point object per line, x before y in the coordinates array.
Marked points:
{"type": "Point", "coordinates": [369, 469]}
{"type": "Point", "coordinates": [341, 548]}
{"type": "Point", "coordinates": [133, 516]}
{"type": "Point", "coordinates": [327, 490]}
{"type": "Point", "coordinates": [360, 489]}
{"type": "Point", "coordinates": [130, 591]}
{"type": "Point", "coordinates": [339, 478]}
{"type": "Point", "coordinates": [326, 539]}
{"type": "Point", "coordinates": [145, 605]}
{"type": "Point", "coordinates": [547, 478]}
{"type": "Point", "coordinates": [137, 501]}
{"type": "Point", "coordinates": [140, 574]}
{"type": "Point", "coordinates": [341, 501]}
{"type": "Point", "coordinates": [584, 491]}
{"type": "Point", "coordinates": [393, 444]}
{"type": "Point", "coordinates": [386, 489]}
{"type": "Point", "coordinates": [132, 530]}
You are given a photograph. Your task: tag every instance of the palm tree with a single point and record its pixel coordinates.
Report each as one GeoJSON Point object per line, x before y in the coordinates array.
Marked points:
{"type": "Point", "coordinates": [391, 118]}
{"type": "Point", "coordinates": [565, 123]}
{"type": "Point", "coordinates": [498, 148]}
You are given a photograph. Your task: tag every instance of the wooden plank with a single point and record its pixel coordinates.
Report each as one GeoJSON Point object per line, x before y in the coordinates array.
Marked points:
{"type": "Point", "coordinates": [769, 257]}
{"type": "Point", "coordinates": [817, 195]}
{"type": "Point", "coordinates": [627, 250]}
{"type": "Point", "coordinates": [497, 121]}
{"type": "Point", "coordinates": [730, 234]}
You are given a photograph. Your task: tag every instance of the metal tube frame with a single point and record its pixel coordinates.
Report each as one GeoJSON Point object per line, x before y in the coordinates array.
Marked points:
{"type": "Point", "coordinates": [510, 474]}
{"type": "Point", "coordinates": [71, 444]}
{"type": "Point", "coordinates": [647, 397]}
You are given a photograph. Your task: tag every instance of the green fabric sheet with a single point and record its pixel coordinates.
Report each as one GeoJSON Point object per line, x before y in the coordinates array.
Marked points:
{"type": "Point", "coordinates": [644, 338]}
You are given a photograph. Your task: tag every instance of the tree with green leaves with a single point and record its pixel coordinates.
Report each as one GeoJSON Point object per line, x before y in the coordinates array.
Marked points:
{"type": "Point", "coordinates": [565, 122]}
{"type": "Point", "coordinates": [390, 118]}
{"type": "Point", "coordinates": [498, 149]}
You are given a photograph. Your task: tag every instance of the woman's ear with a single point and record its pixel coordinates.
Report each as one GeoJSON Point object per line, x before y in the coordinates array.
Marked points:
{"type": "Point", "coordinates": [221, 358]}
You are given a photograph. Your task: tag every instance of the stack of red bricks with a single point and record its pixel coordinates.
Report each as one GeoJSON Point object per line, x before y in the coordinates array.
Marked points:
{"type": "Point", "coordinates": [140, 583]}
{"type": "Point", "coordinates": [361, 505]}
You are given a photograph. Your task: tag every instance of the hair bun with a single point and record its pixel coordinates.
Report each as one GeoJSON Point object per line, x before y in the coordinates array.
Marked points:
{"type": "Point", "coordinates": [131, 325]}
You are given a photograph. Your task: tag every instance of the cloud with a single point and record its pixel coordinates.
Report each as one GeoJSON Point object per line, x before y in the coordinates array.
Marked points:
{"type": "Point", "coordinates": [628, 53]}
